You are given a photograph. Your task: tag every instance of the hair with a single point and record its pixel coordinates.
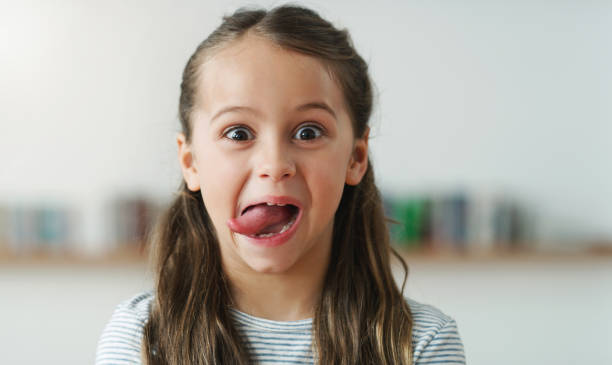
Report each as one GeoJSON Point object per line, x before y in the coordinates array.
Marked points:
{"type": "Point", "coordinates": [361, 316]}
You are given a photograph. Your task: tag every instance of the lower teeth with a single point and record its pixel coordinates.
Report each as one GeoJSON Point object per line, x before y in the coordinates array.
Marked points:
{"type": "Point", "coordinates": [284, 229]}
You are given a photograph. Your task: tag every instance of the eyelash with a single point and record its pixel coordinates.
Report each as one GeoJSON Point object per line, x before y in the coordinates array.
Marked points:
{"type": "Point", "coordinates": [320, 132]}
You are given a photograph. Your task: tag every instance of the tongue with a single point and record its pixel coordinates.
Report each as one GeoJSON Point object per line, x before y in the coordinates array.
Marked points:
{"type": "Point", "coordinates": [261, 219]}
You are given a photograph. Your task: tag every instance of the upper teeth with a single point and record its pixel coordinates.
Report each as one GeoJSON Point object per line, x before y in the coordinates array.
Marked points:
{"type": "Point", "coordinates": [280, 205]}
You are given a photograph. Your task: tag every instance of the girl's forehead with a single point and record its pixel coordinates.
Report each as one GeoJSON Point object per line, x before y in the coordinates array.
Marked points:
{"type": "Point", "coordinates": [257, 71]}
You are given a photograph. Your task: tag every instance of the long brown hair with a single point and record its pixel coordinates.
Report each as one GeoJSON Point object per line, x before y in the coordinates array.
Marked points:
{"type": "Point", "coordinates": [361, 317]}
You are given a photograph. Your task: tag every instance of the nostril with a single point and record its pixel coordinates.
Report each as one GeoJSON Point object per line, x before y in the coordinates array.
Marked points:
{"type": "Point", "coordinates": [277, 175]}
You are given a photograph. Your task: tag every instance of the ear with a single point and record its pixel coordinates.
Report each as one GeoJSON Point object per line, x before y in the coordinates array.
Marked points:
{"type": "Point", "coordinates": [186, 160]}
{"type": "Point", "coordinates": [358, 163]}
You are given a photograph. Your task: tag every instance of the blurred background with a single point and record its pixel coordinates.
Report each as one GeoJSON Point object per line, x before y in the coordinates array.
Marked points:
{"type": "Point", "coordinates": [491, 143]}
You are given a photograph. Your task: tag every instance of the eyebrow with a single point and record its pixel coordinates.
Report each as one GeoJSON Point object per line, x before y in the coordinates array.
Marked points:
{"type": "Point", "coordinates": [312, 105]}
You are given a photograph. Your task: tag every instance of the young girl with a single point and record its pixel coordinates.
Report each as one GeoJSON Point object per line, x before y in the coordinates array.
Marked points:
{"type": "Point", "coordinates": [276, 250]}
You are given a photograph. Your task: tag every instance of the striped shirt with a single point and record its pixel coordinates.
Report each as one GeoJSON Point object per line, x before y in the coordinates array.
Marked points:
{"type": "Point", "coordinates": [435, 337]}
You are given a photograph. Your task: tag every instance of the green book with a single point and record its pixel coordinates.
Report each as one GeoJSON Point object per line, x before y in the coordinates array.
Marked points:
{"type": "Point", "coordinates": [411, 215]}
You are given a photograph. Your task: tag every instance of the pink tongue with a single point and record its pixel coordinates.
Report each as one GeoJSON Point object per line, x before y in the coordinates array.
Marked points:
{"type": "Point", "coordinates": [260, 217]}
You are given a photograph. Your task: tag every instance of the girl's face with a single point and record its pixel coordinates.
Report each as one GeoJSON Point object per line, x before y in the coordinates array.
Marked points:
{"type": "Point", "coordinates": [270, 124]}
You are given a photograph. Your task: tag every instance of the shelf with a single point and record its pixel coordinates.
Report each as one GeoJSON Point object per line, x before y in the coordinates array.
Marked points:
{"type": "Point", "coordinates": [133, 255]}
{"type": "Point", "coordinates": [446, 255]}
{"type": "Point", "coordinates": [126, 256]}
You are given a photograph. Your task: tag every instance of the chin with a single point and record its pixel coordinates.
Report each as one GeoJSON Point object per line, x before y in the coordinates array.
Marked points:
{"type": "Point", "coordinates": [266, 265]}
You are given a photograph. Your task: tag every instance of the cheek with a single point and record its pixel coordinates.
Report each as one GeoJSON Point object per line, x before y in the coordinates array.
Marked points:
{"type": "Point", "coordinates": [327, 183]}
{"type": "Point", "coordinates": [220, 182]}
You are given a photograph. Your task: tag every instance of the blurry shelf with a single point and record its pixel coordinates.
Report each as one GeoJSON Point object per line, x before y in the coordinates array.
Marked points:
{"type": "Point", "coordinates": [450, 255]}
{"type": "Point", "coordinates": [125, 256]}
{"type": "Point", "coordinates": [134, 255]}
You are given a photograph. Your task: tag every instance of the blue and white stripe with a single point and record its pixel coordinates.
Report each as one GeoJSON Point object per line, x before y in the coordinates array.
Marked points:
{"type": "Point", "coordinates": [274, 342]}
{"type": "Point", "coordinates": [121, 339]}
{"type": "Point", "coordinates": [435, 337]}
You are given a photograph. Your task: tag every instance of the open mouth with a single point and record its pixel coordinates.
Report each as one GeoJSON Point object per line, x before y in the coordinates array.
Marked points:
{"type": "Point", "coordinates": [267, 220]}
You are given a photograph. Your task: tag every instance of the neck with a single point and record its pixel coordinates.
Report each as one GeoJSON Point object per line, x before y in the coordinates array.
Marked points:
{"type": "Point", "coordinates": [288, 296]}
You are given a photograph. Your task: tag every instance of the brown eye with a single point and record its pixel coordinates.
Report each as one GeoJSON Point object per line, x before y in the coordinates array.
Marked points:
{"type": "Point", "coordinates": [239, 134]}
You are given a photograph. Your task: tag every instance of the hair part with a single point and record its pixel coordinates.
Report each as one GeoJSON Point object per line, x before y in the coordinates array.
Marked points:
{"type": "Point", "coordinates": [361, 317]}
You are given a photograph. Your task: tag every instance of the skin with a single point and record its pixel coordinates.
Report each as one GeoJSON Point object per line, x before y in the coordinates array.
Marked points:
{"type": "Point", "coordinates": [282, 282]}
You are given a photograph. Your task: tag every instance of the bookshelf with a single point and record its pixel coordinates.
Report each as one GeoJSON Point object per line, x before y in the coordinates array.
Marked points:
{"type": "Point", "coordinates": [443, 227]}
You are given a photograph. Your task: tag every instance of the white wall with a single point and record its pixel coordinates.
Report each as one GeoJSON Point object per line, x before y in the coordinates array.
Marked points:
{"type": "Point", "coordinates": [537, 311]}
{"type": "Point", "coordinates": [510, 96]}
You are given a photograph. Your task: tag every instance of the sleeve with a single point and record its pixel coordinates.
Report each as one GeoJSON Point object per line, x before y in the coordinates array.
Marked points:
{"type": "Point", "coordinates": [441, 347]}
{"type": "Point", "coordinates": [122, 336]}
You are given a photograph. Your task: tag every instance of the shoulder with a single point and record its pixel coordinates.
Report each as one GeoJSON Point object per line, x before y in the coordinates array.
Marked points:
{"type": "Point", "coordinates": [121, 338]}
{"type": "Point", "coordinates": [435, 336]}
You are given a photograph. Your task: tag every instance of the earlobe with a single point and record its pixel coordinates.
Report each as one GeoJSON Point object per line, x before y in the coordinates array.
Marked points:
{"type": "Point", "coordinates": [358, 163]}
{"type": "Point", "coordinates": [186, 161]}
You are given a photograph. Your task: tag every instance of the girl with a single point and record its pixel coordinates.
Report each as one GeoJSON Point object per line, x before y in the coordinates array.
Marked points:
{"type": "Point", "coordinates": [276, 249]}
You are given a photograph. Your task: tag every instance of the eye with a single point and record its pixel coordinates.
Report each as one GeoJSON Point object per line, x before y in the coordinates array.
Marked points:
{"type": "Point", "coordinates": [308, 132]}
{"type": "Point", "coordinates": [238, 134]}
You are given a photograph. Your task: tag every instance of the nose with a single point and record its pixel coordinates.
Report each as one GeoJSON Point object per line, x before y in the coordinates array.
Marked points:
{"type": "Point", "coordinates": [275, 162]}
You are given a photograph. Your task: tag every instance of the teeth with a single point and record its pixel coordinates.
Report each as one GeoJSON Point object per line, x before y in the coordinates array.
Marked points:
{"type": "Point", "coordinates": [280, 205]}
{"type": "Point", "coordinates": [270, 204]}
